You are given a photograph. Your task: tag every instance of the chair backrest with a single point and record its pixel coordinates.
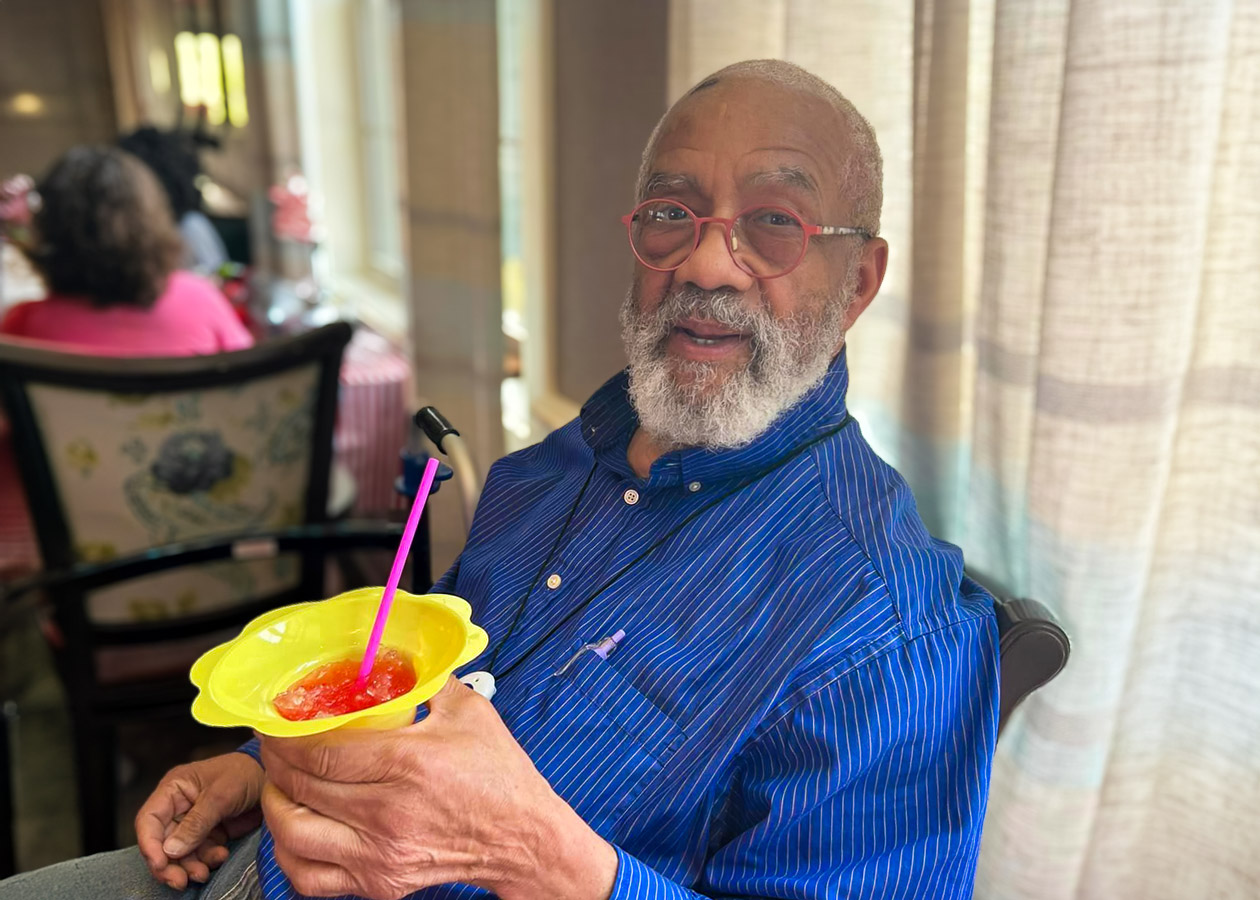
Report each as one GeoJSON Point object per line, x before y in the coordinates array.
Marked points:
{"type": "Point", "coordinates": [1032, 648]}
{"type": "Point", "coordinates": [118, 454]}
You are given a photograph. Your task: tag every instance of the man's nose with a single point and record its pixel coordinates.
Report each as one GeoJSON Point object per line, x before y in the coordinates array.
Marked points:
{"type": "Point", "coordinates": [711, 266]}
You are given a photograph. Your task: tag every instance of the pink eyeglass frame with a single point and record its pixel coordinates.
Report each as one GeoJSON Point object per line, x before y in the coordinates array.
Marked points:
{"type": "Point", "coordinates": [727, 225]}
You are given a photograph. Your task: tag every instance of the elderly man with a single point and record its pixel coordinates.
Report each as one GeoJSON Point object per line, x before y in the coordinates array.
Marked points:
{"type": "Point", "coordinates": [730, 660]}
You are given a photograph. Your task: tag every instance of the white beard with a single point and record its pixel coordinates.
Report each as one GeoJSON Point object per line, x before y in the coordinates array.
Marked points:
{"type": "Point", "coordinates": [705, 407]}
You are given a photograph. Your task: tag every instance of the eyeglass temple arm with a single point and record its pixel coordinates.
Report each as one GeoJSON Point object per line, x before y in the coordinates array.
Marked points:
{"type": "Point", "coordinates": [840, 229]}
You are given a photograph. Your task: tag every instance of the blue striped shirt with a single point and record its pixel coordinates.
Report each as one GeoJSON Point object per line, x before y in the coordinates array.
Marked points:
{"type": "Point", "coordinates": [805, 701]}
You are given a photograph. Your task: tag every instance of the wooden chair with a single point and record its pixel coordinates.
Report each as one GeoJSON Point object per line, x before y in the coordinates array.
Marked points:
{"type": "Point", "coordinates": [173, 500]}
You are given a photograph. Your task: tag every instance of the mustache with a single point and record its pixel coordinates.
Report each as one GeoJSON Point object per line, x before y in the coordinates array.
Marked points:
{"type": "Point", "coordinates": [726, 308]}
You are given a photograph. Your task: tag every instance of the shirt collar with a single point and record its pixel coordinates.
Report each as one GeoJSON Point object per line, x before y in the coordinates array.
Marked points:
{"type": "Point", "coordinates": [608, 421]}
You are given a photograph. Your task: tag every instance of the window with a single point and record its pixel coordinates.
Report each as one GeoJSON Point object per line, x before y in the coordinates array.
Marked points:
{"type": "Point", "coordinates": [211, 74]}
{"type": "Point", "coordinates": [346, 76]}
{"type": "Point", "coordinates": [382, 234]}
{"type": "Point", "coordinates": [531, 404]}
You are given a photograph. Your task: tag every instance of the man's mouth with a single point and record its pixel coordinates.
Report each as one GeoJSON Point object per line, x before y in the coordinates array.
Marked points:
{"type": "Point", "coordinates": [708, 333]}
{"type": "Point", "coordinates": [709, 340]}
{"type": "Point", "coordinates": [703, 339]}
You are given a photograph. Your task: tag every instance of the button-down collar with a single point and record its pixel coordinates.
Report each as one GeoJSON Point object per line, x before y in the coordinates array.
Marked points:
{"type": "Point", "coordinates": [609, 421]}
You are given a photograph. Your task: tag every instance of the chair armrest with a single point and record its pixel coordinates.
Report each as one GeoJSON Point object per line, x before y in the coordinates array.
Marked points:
{"type": "Point", "coordinates": [1032, 647]}
{"type": "Point", "coordinates": [1019, 617]}
{"type": "Point", "coordinates": [331, 537]}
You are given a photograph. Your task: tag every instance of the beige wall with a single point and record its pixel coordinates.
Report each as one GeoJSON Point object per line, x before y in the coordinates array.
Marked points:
{"type": "Point", "coordinates": [54, 50]}
{"type": "Point", "coordinates": [610, 67]}
{"type": "Point", "coordinates": [450, 127]}
{"type": "Point", "coordinates": [451, 121]}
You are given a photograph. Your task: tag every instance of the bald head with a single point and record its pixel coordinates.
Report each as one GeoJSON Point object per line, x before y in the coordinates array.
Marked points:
{"type": "Point", "coordinates": [860, 178]}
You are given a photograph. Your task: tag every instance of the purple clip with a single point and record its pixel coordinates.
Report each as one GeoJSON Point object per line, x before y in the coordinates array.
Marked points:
{"type": "Point", "coordinates": [603, 649]}
{"type": "Point", "coordinates": [608, 644]}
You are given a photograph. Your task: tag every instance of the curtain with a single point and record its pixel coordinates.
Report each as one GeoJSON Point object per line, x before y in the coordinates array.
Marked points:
{"type": "Point", "coordinates": [1065, 363]}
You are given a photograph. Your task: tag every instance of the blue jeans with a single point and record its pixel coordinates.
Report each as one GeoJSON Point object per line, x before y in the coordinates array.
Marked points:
{"type": "Point", "coordinates": [122, 875]}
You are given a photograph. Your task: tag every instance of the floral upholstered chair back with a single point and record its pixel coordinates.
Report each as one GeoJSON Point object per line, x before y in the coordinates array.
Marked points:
{"type": "Point", "coordinates": [139, 470]}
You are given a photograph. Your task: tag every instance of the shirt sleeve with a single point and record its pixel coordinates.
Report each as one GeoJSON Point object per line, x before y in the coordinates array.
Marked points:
{"type": "Point", "coordinates": [253, 749]}
{"type": "Point", "coordinates": [205, 249]}
{"type": "Point", "coordinates": [875, 784]}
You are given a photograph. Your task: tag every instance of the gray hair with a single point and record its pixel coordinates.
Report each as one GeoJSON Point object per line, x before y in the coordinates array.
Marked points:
{"type": "Point", "coordinates": [863, 176]}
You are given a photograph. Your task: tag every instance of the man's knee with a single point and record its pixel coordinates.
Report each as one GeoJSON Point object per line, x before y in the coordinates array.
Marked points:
{"type": "Point", "coordinates": [117, 875]}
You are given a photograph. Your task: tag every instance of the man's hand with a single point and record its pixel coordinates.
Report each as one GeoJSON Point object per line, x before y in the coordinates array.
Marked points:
{"type": "Point", "coordinates": [453, 798]}
{"type": "Point", "coordinates": [184, 826]}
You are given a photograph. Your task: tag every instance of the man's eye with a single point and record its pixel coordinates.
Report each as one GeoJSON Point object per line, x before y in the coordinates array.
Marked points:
{"type": "Point", "coordinates": [667, 214]}
{"type": "Point", "coordinates": [772, 218]}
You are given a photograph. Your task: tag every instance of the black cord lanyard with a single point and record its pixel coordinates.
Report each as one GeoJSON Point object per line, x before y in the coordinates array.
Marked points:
{"type": "Point", "coordinates": [520, 609]}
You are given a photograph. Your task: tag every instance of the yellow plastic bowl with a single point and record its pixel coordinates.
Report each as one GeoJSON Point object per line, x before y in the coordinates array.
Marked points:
{"type": "Point", "coordinates": [239, 679]}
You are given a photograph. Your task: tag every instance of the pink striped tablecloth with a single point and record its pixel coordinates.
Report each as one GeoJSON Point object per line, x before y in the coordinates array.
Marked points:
{"type": "Point", "coordinates": [373, 418]}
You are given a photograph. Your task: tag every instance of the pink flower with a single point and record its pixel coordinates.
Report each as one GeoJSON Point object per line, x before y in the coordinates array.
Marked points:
{"type": "Point", "coordinates": [291, 219]}
{"type": "Point", "coordinates": [18, 201]}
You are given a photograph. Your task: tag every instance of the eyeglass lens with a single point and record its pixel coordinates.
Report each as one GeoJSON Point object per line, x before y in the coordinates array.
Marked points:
{"type": "Point", "coordinates": [764, 242]}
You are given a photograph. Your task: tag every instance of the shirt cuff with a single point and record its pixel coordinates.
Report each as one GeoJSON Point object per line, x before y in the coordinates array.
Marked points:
{"type": "Point", "coordinates": [637, 880]}
{"type": "Point", "coordinates": [252, 748]}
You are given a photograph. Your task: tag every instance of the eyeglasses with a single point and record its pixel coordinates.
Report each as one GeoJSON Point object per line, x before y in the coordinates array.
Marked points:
{"type": "Point", "coordinates": [764, 241]}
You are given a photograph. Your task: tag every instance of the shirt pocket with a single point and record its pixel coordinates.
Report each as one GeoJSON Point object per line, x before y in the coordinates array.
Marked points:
{"type": "Point", "coordinates": [607, 740]}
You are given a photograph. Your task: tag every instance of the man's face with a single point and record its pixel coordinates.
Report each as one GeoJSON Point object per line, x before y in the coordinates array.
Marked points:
{"type": "Point", "coordinates": [716, 353]}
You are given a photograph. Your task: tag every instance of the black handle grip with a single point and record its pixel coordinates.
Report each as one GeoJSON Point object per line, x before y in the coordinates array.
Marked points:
{"type": "Point", "coordinates": [434, 425]}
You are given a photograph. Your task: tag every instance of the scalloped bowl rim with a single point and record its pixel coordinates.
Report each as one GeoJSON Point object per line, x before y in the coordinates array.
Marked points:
{"type": "Point", "coordinates": [211, 707]}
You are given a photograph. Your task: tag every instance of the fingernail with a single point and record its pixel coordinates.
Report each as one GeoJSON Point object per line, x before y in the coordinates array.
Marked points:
{"type": "Point", "coordinates": [173, 849]}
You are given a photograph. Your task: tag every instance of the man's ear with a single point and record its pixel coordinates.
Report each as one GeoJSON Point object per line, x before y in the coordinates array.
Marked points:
{"type": "Point", "coordinates": [870, 276]}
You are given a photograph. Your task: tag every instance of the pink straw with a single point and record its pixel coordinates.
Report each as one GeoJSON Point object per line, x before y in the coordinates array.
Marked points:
{"type": "Point", "coordinates": [395, 573]}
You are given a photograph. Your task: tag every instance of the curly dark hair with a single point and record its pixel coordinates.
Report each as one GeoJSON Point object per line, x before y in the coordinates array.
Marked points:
{"type": "Point", "coordinates": [104, 229]}
{"type": "Point", "coordinates": [172, 156]}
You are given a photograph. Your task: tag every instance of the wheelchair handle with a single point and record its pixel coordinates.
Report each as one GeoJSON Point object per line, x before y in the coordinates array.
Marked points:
{"type": "Point", "coordinates": [438, 429]}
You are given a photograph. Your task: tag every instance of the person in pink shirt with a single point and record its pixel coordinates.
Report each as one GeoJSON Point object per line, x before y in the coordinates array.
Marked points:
{"type": "Point", "coordinates": [107, 248]}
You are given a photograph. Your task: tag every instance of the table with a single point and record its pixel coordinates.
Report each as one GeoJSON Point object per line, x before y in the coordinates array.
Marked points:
{"type": "Point", "coordinates": [373, 418]}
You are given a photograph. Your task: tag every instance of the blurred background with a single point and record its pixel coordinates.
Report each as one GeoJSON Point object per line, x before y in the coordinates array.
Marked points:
{"type": "Point", "coordinates": [1062, 361]}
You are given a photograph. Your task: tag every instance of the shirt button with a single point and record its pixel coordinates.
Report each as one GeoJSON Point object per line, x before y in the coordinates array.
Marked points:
{"type": "Point", "coordinates": [631, 496]}
{"type": "Point", "coordinates": [553, 581]}
{"type": "Point", "coordinates": [694, 486]}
